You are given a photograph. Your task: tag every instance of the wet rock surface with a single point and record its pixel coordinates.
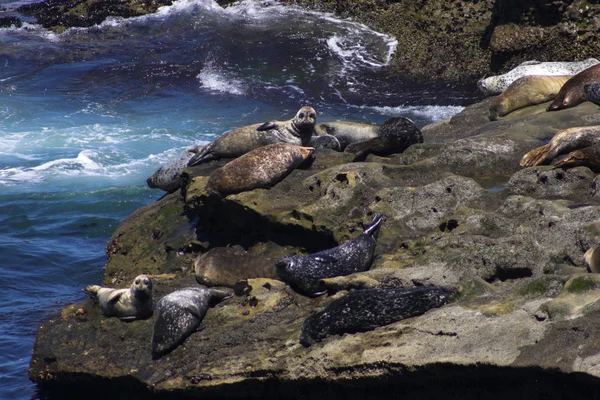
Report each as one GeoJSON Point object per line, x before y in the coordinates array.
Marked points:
{"type": "Point", "coordinates": [459, 213]}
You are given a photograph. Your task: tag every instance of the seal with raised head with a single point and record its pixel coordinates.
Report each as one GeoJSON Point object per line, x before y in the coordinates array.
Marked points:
{"type": "Point", "coordinates": [132, 303]}
{"type": "Point", "coordinates": [367, 309]}
{"type": "Point", "coordinates": [167, 177]}
{"type": "Point", "coordinates": [563, 142]}
{"type": "Point", "coordinates": [304, 273]}
{"type": "Point", "coordinates": [260, 168]}
{"type": "Point", "coordinates": [393, 136]}
{"type": "Point", "coordinates": [179, 314]}
{"type": "Point", "coordinates": [497, 84]}
{"type": "Point", "coordinates": [237, 142]}
{"type": "Point", "coordinates": [572, 93]}
{"type": "Point", "coordinates": [592, 91]}
{"type": "Point", "coordinates": [526, 91]}
{"type": "Point", "coordinates": [586, 157]}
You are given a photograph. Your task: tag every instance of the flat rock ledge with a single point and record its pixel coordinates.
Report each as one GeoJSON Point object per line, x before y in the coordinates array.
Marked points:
{"type": "Point", "coordinates": [460, 213]}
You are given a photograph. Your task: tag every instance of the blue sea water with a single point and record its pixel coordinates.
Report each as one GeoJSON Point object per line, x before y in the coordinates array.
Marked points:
{"type": "Point", "coordinates": [87, 115]}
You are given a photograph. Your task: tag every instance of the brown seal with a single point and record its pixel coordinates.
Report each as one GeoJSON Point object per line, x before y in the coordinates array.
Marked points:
{"type": "Point", "coordinates": [225, 266]}
{"type": "Point", "coordinates": [586, 157]}
{"type": "Point", "coordinates": [347, 132]}
{"type": "Point", "coordinates": [563, 142]}
{"type": "Point", "coordinates": [572, 93]}
{"type": "Point", "coordinates": [592, 258]}
{"type": "Point", "coordinates": [260, 168]}
{"type": "Point", "coordinates": [237, 142]}
{"type": "Point", "coordinates": [527, 91]}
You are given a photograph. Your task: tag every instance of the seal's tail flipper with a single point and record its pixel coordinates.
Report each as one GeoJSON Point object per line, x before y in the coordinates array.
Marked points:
{"type": "Point", "coordinates": [536, 156]}
{"type": "Point", "coordinates": [203, 154]}
{"type": "Point", "coordinates": [362, 149]}
{"type": "Point", "coordinates": [373, 228]}
{"type": "Point", "coordinates": [92, 290]}
{"type": "Point", "coordinates": [572, 160]}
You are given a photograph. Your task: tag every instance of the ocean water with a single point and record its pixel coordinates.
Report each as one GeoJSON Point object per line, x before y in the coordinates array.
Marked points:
{"type": "Point", "coordinates": [86, 116]}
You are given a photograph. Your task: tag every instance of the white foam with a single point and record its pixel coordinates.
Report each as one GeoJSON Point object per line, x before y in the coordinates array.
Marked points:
{"type": "Point", "coordinates": [433, 113]}
{"type": "Point", "coordinates": [213, 78]}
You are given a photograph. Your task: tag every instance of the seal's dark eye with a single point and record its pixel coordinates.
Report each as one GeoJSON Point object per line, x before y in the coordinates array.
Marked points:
{"type": "Point", "coordinates": [312, 115]}
{"type": "Point", "coordinates": [301, 115]}
{"type": "Point", "coordinates": [146, 282]}
{"type": "Point", "coordinates": [137, 281]}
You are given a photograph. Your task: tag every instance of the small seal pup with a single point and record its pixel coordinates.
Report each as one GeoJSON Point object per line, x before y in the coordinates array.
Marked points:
{"type": "Point", "coordinates": [179, 315]}
{"type": "Point", "coordinates": [237, 142]}
{"type": "Point", "coordinates": [592, 91]}
{"type": "Point", "coordinates": [167, 176]}
{"type": "Point", "coordinates": [592, 258]}
{"type": "Point", "coordinates": [497, 84]}
{"type": "Point", "coordinates": [367, 309]}
{"type": "Point", "coordinates": [394, 136]}
{"type": "Point", "coordinates": [526, 91]}
{"type": "Point", "coordinates": [572, 93]}
{"type": "Point", "coordinates": [564, 141]}
{"type": "Point", "coordinates": [303, 273]}
{"type": "Point", "coordinates": [586, 157]}
{"type": "Point", "coordinates": [260, 168]}
{"type": "Point", "coordinates": [126, 304]}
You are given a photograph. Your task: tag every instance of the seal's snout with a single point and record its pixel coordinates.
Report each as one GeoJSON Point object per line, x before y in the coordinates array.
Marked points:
{"type": "Point", "coordinates": [150, 183]}
{"type": "Point", "coordinates": [282, 267]}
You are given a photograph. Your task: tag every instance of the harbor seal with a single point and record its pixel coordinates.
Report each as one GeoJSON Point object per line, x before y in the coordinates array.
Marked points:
{"type": "Point", "coordinates": [328, 142]}
{"type": "Point", "coordinates": [260, 168]}
{"type": "Point", "coordinates": [126, 304]}
{"type": "Point", "coordinates": [167, 176]}
{"type": "Point", "coordinates": [179, 314]}
{"type": "Point", "coordinates": [347, 132]}
{"type": "Point", "coordinates": [592, 91]}
{"type": "Point", "coordinates": [303, 273]}
{"type": "Point", "coordinates": [394, 136]}
{"type": "Point", "coordinates": [367, 309]}
{"type": "Point", "coordinates": [225, 266]}
{"type": "Point", "coordinates": [586, 157]}
{"type": "Point", "coordinates": [497, 84]}
{"type": "Point", "coordinates": [572, 93]}
{"type": "Point", "coordinates": [563, 142]}
{"type": "Point", "coordinates": [237, 142]}
{"type": "Point", "coordinates": [526, 91]}
{"type": "Point", "coordinates": [592, 258]}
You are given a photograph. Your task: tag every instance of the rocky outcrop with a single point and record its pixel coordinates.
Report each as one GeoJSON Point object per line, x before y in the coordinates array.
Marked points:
{"type": "Point", "coordinates": [459, 213]}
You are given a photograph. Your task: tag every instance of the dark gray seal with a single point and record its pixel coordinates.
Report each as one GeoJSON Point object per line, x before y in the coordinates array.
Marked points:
{"type": "Point", "coordinates": [179, 315]}
{"type": "Point", "coordinates": [592, 90]}
{"type": "Point", "coordinates": [303, 273]}
{"type": "Point", "coordinates": [394, 136]}
{"type": "Point", "coordinates": [167, 177]}
{"type": "Point", "coordinates": [237, 142]}
{"type": "Point", "coordinates": [367, 309]}
{"type": "Point", "coordinates": [131, 303]}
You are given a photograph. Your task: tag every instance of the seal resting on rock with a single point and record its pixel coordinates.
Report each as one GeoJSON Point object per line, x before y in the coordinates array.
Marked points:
{"type": "Point", "coordinates": [572, 93]}
{"type": "Point", "coordinates": [586, 157]}
{"type": "Point", "coordinates": [592, 258]}
{"type": "Point", "coordinates": [497, 84]}
{"type": "Point", "coordinates": [347, 132]}
{"type": "Point", "coordinates": [167, 176]}
{"type": "Point", "coordinates": [225, 266]}
{"type": "Point", "coordinates": [526, 91]}
{"type": "Point", "coordinates": [179, 315]}
{"type": "Point", "coordinates": [260, 168]}
{"type": "Point", "coordinates": [328, 142]}
{"type": "Point", "coordinates": [367, 309]}
{"type": "Point", "coordinates": [564, 141]}
{"type": "Point", "coordinates": [132, 303]}
{"type": "Point", "coordinates": [592, 91]}
{"type": "Point", "coordinates": [303, 273]}
{"type": "Point", "coordinates": [237, 142]}
{"type": "Point", "coordinates": [394, 136]}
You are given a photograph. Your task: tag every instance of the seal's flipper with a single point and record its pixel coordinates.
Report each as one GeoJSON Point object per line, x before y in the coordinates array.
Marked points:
{"type": "Point", "coordinates": [266, 126]}
{"type": "Point", "coordinates": [91, 290]}
{"type": "Point", "coordinates": [203, 154]}
{"type": "Point", "coordinates": [200, 328]}
{"type": "Point", "coordinates": [362, 149]}
{"type": "Point", "coordinates": [373, 228]}
{"type": "Point", "coordinates": [325, 259]}
{"type": "Point", "coordinates": [536, 156]}
{"type": "Point", "coordinates": [114, 297]}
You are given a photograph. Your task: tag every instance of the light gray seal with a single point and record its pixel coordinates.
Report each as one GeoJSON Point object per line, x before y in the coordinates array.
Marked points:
{"type": "Point", "coordinates": [367, 309]}
{"type": "Point", "coordinates": [237, 142]}
{"type": "Point", "coordinates": [347, 132]}
{"type": "Point", "coordinates": [179, 314]}
{"type": "Point", "coordinates": [303, 273]}
{"type": "Point", "coordinates": [497, 84]}
{"type": "Point", "coordinates": [327, 142]}
{"type": "Point", "coordinates": [167, 177]}
{"type": "Point", "coordinates": [132, 303]}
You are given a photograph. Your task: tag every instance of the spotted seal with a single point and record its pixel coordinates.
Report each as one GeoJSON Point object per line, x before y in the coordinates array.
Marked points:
{"type": "Point", "coordinates": [527, 91]}
{"type": "Point", "coordinates": [497, 84]}
{"type": "Point", "coordinates": [585, 157]}
{"type": "Point", "coordinates": [393, 136]}
{"type": "Point", "coordinates": [179, 314]}
{"type": "Point", "coordinates": [237, 142]}
{"type": "Point", "coordinates": [304, 272]}
{"type": "Point", "coordinates": [592, 91]}
{"type": "Point", "coordinates": [328, 142]}
{"type": "Point", "coordinates": [167, 176]}
{"type": "Point", "coordinates": [261, 168]}
{"type": "Point", "coordinates": [132, 303]}
{"type": "Point", "coordinates": [367, 309]}
{"type": "Point", "coordinates": [572, 93]}
{"type": "Point", "coordinates": [564, 141]}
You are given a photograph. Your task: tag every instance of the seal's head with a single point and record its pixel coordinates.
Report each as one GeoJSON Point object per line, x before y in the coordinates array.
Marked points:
{"type": "Point", "coordinates": [305, 119]}
{"type": "Point", "coordinates": [285, 266]}
{"type": "Point", "coordinates": [142, 286]}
